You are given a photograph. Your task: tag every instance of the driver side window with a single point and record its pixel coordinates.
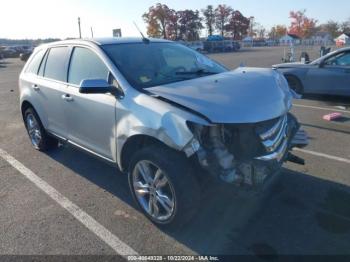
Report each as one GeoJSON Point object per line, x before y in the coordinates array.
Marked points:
{"type": "Point", "coordinates": [85, 64]}
{"type": "Point", "coordinates": [342, 59]}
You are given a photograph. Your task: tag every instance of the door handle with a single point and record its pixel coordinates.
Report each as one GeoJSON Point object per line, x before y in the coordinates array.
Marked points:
{"type": "Point", "coordinates": [67, 97]}
{"type": "Point", "coordinates": [35, 87]}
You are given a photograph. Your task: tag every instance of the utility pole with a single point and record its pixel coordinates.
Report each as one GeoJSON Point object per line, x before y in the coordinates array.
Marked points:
{"type": "Point", "coordinates": [92, 32]}
{"type": "Point", "coordinates": [79, 27]}
{"type": "Point", "coordinates": [251, 24]}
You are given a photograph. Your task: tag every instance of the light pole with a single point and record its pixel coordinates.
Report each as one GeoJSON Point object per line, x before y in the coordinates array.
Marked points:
{"type": "Point", "coordinates": [79, 27]}
{"type": "Point", "coordinates": [251, 22]}
{"type": "Point", "coordinates": [92, 32]}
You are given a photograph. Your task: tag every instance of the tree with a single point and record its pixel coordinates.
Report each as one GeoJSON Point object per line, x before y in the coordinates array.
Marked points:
{"type": "Point", "coordinates": [259, 31]}
{"type": "Point", "coordinates": [345, 27]}
{"type": "Point", "coordinates": [209, 18]}
{"type": "Point", "coordinates": [238, 25]}
{"type": "Point", "coordinates": [157, 19]}
{"type": "Point", "coordinates": [190, 24]}
{"type": "Point", "coordinates": [331, 27]}
{"type": "Point", "coordinates": [301, 25]}
{"type": "Point", "coordinates": [173, 27]}
{"type": "Point", "coordinates": [277, 32]}
{"type": "Point", "coordinates": [222, 14]}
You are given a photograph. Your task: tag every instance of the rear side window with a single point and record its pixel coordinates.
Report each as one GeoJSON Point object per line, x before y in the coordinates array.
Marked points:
{"type": "Point", "coordinates": [85, 64]}
{"type": "Point", "coordinates": [35, 62]}
{"type": "Point", "coordinates": [56, 64]}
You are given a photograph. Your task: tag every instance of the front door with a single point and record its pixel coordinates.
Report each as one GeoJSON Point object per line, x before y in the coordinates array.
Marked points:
{"type": "Point", "coordinates": [333, 76]}
{"type": "Point", "coordinates": [90, 117]}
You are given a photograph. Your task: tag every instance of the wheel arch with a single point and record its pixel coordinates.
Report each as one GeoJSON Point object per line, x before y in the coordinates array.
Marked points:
{"type": "Point", "coordinates": [135, 143]}
{"type": "Point", "coordinates": [296, 78]}
{"type": "Point", "coordinates": [25, 105]}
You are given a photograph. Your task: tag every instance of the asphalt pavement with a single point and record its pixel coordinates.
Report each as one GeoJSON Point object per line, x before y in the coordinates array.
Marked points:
{"type": "Point", "coordinates": [87, 207]}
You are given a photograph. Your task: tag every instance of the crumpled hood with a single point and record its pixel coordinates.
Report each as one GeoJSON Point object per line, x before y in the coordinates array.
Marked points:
{"type": "Point", "coordinates": [245, 95]}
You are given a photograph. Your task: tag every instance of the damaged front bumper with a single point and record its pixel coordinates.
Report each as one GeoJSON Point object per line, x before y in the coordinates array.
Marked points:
{"type": "Point", "coordinates": [248, 154]}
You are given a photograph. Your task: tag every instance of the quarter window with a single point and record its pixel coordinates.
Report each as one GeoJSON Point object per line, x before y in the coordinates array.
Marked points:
{"type": "Point", "coordinates": [34, 64]}
{"type": "Point", "coordinates": [85, 64]}
{"type": "Point", "coordinates": [56, 64]}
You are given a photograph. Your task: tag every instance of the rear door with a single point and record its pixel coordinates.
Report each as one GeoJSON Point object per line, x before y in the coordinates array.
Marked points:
{"type": "Point", "coordinates": [90, 117]}
{"type": "Point", "coordinates": [29, 82]}
{"type": "Point", "coordinates": [51, 85]}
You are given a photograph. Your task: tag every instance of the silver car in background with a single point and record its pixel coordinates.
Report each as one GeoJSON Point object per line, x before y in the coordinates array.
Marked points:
{"type": "Point", "coordinates": [164, 114]}
{"type": "Point", "coordinates": [328, 75]}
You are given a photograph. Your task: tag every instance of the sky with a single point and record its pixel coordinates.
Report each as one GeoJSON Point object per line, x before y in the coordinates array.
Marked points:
{"type": "Point", "coordinates": [58, 19]}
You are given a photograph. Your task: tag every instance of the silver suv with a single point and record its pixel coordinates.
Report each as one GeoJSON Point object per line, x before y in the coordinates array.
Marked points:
{"type": "Point", "coordinates": [164, 114]}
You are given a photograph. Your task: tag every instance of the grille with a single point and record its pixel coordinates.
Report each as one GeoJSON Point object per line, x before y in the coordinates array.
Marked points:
{"type": "Point", "coordinates": [273, 134]}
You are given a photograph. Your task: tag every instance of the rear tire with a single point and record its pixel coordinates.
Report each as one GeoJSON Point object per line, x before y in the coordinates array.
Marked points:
{"type": "Point", "coordinates": [38, 136]}
{"type": "Point", "coordinates": [182, 191]}
{"type": "Point", "coordinates": [295, 84]}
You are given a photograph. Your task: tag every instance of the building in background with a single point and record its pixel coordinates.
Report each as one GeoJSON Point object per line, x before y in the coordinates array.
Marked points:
{"type": "Point", "coordinates": [322, 38]}
{"type": "Point", "coordinates": [342, 40]}
{"type": "Point", "coordinates": [290, 39]}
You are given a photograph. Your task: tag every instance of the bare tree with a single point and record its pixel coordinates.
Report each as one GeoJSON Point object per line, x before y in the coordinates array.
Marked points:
{"type": "Point", "coordinates": [222, 14]}
{"type": "Point", "coordinates": [209, 18]}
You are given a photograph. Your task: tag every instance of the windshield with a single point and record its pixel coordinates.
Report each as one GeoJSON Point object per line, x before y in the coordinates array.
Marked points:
{"type": "Point", "coordinates": [151, 64]}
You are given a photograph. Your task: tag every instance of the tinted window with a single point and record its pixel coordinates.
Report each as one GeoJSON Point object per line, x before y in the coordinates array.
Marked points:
{"type": "Point", "coordinates": [85, 64]}
{"type": "Point", "coordinates": [342, 59]}
{"type": "Point", "coordinates": [34, 63]}
{"type": "Point", "coordinates": [56, 64]}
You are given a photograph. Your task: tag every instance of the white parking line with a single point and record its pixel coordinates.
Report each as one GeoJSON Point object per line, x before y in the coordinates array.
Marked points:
{"type": "Point", "coordinates": [340, 159]}
{"type": "Point", "coordinates": [322, 108]}
{"type": "Point", "coordinates": [113, 241]}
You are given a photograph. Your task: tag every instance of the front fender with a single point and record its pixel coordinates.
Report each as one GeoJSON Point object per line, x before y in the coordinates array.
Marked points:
{"type": "Point", "coordinates": [161, 121]}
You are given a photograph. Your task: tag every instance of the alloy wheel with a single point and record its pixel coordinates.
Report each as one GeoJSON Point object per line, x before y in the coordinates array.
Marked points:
{"type": "Point", "coordinates": [153, 191]}
{"type": "Point", "coordinates": [33, 130]}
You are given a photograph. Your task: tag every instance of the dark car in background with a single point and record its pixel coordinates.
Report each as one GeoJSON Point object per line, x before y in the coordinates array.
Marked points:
{"type": "Point", "coordinates": [16, 51]}
{"type": "Point", "coordinates": [9, 52]}
{"type": "Point", "coordinates": [327, 75]}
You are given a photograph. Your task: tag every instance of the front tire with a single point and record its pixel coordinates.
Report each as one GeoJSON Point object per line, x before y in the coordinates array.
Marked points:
{"type": "Point", "coordinates": [295, 84]}
{"type": "Point", "coordinates": [163, 186]}
{"type": "Point", "coordinates": [38, 136]}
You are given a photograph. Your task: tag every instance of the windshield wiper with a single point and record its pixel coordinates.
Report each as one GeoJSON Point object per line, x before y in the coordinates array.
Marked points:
{"type": "Point", "coordinates": [196, 72]}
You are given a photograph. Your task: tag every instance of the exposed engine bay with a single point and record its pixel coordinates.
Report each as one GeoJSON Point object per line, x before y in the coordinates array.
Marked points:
{"type": "Point", "coordinates": [249, 154]}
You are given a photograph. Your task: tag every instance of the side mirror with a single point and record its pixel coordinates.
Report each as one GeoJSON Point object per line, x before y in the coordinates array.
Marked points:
{"type": "Point", "coordinates": [98, 86]}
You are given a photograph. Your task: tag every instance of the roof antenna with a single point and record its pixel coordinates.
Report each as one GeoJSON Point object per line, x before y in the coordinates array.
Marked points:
{"type": "Point", "coordinates": [144, 39]}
